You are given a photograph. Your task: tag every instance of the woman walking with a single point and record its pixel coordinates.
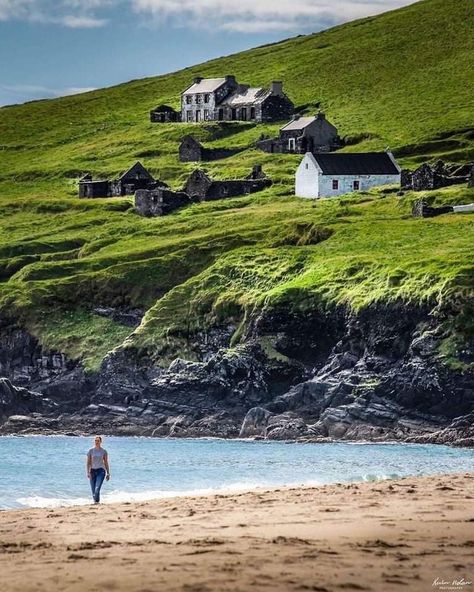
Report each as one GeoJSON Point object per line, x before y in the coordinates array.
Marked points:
{"type": "Point", "coordinates": [97, 467]}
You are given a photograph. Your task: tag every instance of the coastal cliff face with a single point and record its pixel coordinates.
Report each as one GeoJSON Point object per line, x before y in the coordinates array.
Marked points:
{"type": "Point", "coordinates": [372, 375]}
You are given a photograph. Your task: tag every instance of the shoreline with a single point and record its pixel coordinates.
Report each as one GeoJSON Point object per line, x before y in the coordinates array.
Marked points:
{"type": "Point", "coordinates": [467, 443]}
{"type": "Point", "coordinates": [228, 491]}
{"type": "Point", "coordinates": [379, 535]}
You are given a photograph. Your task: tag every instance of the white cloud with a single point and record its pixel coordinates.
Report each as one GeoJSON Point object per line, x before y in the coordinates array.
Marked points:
{"type": "Point", "coordinates": [81, 22]}
{"type": "Point", "coordinates": [262, 15]}
{"type": "Point", "coordinates": [19, 93]}
{"type": "Point", "coordinates": [74, 14]}
{"type": "Point", "coordinates": [245, 16]}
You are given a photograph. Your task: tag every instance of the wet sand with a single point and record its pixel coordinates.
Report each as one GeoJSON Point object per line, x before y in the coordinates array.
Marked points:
{"type": "Point", "coordinates": [412, 534]}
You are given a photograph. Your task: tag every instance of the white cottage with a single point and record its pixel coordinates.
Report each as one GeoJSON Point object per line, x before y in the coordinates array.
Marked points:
{"type": "Point", "coordinates": [329, 175]}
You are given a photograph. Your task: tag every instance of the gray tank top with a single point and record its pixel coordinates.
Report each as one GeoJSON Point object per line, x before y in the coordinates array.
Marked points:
{"type": "Point", "coordinates": [97, 457]}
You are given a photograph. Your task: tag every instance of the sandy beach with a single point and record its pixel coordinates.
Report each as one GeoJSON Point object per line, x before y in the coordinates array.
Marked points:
{"type": "Point", "coordinates": [414, 534]}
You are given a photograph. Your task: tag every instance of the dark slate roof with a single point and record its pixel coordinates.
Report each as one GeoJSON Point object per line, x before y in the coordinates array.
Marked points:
{"type": "Point", "coordinates": [137, 168]}
{"type": "Point", "coordinates": [362, 163]}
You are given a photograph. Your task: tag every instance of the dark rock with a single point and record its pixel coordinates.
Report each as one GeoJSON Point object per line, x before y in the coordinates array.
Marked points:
{"type": "Point", "coordinates": [17, 400]}
{"type": "Point", "coordinates": [374, 375]}
{"type": "Point", "coordinates": [129, 318]}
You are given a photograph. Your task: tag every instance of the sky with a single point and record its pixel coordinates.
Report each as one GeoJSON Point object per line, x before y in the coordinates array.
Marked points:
{"type": "Point", "coordinates": [51, 48]}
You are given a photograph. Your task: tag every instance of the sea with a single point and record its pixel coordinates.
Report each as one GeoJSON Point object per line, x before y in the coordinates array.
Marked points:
{"type": "Point", "coordinates": [50, 471]}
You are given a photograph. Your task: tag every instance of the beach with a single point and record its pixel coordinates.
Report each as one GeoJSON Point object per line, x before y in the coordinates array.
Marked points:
{"type": "Point", "coordinates": [413, 534]}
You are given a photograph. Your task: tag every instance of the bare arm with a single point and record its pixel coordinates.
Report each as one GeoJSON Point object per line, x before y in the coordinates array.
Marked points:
{"type": "Point", "coordinates": [106, 465]}
{"type": "Point", "coordinates": [88, 465]}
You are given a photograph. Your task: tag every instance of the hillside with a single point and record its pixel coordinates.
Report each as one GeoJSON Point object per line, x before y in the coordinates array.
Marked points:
{"type": "Point", "coordinates": [403, 79]}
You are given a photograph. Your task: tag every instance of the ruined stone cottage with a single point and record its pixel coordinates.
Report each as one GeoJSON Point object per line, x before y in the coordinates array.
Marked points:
{"type": "Point", "coordinates": [160, 201]}
{"type": "Point", "coordinates": [191, 150]}
{"type": "Point", "coordinates": [136, 177]}
{"type": "Point", "coordinates": [434, 176]}
{"type": "Point", "coordinates": [164, 114]}
{"type": "Point", "coordinates": [224, 99]}
{"type": "Point", "coordinates": [303, 134]}
{"type": "Point", "coordinates": [201, 187]}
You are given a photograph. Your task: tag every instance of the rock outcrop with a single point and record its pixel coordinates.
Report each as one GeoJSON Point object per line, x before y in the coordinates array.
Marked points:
{"type": "Point", "coordinates": [376, 375]}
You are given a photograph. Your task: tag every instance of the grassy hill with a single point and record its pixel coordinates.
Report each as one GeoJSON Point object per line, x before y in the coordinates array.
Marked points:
{"type": "Point", "coordinates": [403, 79]}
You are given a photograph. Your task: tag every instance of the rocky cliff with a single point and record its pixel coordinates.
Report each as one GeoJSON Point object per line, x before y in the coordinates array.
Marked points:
{"type": "Point", "coordinates": [373, 375]}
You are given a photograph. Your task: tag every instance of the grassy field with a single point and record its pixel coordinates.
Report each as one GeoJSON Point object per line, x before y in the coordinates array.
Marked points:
{"type": "Point", "coordinates": [403, 79]}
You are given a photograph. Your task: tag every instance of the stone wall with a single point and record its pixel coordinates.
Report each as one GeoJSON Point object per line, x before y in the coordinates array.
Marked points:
{"type": "Point", "coordinates": [191, 150]}
{"type": "Point", "coordinates": [159, 202]}
{"type": "Point", "coordinates": [201, 187]}
{"type": "Point", "coordinates": [421, 209]}
{"type": "Point", "coordinates": [428, 177]}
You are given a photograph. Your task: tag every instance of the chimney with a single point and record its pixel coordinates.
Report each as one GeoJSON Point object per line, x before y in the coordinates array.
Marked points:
{"type": "Point", "coordinates": [296, 116]}
{"type": "Point", "coordinates": [277, 88]}
{"type": "Point", "coordinates": [198, 79]}
{"type": "Point", "coordinates": [320, 115]}
{"type": "Point", "coordinates": [230, 78]}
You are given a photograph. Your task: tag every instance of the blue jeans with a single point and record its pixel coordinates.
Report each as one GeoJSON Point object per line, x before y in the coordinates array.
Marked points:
{"type": "Point", "coordinates": [97, 478]}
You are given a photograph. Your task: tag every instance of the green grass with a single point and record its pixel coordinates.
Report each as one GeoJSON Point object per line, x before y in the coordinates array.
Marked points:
{"type": "Point", "coordinates": [402, 79]}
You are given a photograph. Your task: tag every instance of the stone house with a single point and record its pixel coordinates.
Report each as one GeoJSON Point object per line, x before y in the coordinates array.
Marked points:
{"type": "Point", "coordinates": [88, 188]}
{"type": "Point", "coordinates": [304, 134]}
{"type": "Point", "coordinates": [164, 114]}
{"type": "Point", "coordinates": [191, 150]}
{"type": "Point", "coordinates": [136, 177]}
{"type": "Point", "coordinates": [224, 99]}
{"type": "Point", "coordinates": [159, 202]}
{"type": "Point", "coordinates": [201, 187]}
{"type": "Point", "coordinates": [329, 175]}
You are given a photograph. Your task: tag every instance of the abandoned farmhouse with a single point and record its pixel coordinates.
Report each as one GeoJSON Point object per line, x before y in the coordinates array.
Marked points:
{"type": "Point", "coordinates": [137, 177]}
{"type": "Point", "coordinates": [224, 99]}
{"type": "Point", "coordinates": [303, 134]}
{"type": "Point", "coordinates": [329, 175]}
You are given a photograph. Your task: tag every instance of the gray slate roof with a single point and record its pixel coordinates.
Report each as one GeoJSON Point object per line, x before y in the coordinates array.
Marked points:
{"type": "Point", "coordinates": [298, 124]}
{"type": "Point", "coordinates": [206, 85]}
{"type": "Point", "coordinates": [247, 96]}
{"type": "Point", "coordinates": [362, 163]}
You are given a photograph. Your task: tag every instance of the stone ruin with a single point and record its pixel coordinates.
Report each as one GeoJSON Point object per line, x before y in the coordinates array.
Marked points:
{"type": "Point", "coordinates": [191, 150]}
{"type": "Point", "coordinates": [200, 186]}
{"type": "Point", "coordinates": [159, 202]}
{"type": "Point", "coordinates": [428, 177]}
{"type": "Point", "coordinates": [164, 114]}
{"type": "Point", "coordinates": [137, 177]}
{"type": "Point", "coordinates": [421, 209]}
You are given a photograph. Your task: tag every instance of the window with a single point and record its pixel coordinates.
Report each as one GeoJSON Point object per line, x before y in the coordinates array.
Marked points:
{"type": "Point", "coordinates": [243, 114]}
{"type": "Point", "coordinates": [198, 115]}
{"type": "Point", "coordinates": [356, 185]}
{"type": "Point", "coordinates": [252, 112]}
{"type": "Point", "coordinates": [291, 144]}
{"type": "Point", "coordinates": [199, 98]}
{"type": "Point", "coordinates": [206, 114]}
{"type": "Point", "coordinates": [189, 116]}
{"type": "Point", "coordinates": [207, 98]}
{"type": "Point", "coordinates": [189, 99]}
{"type": "Point", "coordinates": [306, 166]}
{"type": "Point", "coordinates": [335, 184]}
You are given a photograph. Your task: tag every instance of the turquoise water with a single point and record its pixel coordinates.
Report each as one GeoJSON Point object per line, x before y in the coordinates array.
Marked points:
{"type": "Point", "coordinates": [41, 471]}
